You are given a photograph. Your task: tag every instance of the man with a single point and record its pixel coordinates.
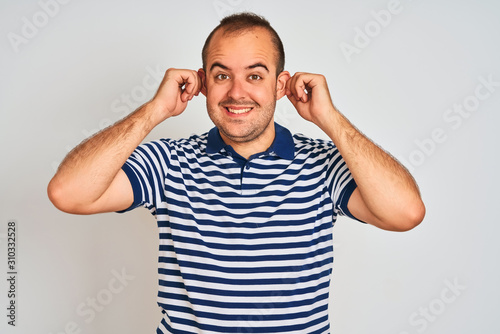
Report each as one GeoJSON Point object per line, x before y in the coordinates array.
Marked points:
{"type": "Point", "coordinates": [244, 211]}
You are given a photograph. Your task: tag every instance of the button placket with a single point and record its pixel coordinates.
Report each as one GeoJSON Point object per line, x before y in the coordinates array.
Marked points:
{"type": "Point", "coordinates": [244, 185]}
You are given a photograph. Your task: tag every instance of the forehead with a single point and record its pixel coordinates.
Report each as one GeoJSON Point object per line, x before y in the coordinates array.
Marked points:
{"type": "Point", "coordinates": [242, 48]}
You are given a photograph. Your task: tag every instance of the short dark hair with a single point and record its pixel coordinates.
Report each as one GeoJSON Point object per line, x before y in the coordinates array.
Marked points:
{"type": "Point", "coordinates": [241, 22]}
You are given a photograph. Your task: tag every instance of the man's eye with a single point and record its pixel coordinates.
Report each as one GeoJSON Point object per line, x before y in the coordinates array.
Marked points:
{"type": "Point", "coordinates": [222, 77]}
{"type": "Point", "coordinates": [255, 77]}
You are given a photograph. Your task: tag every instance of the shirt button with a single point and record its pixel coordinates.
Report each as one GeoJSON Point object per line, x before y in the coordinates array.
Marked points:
{"type": "Point", "coordinates": [247, 167]}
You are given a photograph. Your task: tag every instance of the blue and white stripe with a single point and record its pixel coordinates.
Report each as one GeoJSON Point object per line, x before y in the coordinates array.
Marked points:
{"type": "Point", "coordinates": [245, 246]}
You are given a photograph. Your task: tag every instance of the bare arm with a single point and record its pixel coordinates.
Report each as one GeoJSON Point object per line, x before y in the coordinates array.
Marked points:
{"type": "Point", "coordinates": [90, 179]}
{"type": "Point", "coordinates": [387, 195]}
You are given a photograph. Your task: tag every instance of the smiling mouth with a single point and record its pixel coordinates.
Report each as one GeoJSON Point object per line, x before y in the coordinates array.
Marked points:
{"type": "Point", "coordinates": [238, 111]}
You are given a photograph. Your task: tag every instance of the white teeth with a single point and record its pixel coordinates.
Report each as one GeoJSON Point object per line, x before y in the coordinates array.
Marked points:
{"type": "Point", "coordinates": [239, 111]}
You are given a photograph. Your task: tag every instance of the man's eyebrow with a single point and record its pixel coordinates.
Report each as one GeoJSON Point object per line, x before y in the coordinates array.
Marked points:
{"type": "Point", "coordinates": [258, 65]}
{"type": "Point", "coordinates": [224, 67]}
{"type": "Point", "coordinates": [217, 64]}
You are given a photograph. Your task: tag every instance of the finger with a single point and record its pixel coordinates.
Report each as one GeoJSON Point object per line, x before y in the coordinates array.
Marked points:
{"type": "Point", "coordinates": [298, 87]}
{"type": "Point", "coordinates": [293, 100]}
{"type": "Point", "coordinates": [291, 87]}
{"type": "Point", "coordinates": [197, 83]}
{"type": "Point", "coordinates": [191, 86]}
{"type": "Point", "coordinates": [193, 83]}
{"type": "Point", "coordinates": [291, 94]}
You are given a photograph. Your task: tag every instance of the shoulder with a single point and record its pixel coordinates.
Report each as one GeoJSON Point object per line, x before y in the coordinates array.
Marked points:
{"type": "Point", "coordinates": [195, 143]}
{"type": "Point", "coordinates": [307, 145]}
{"type": "Point", "coordinates": [167, 149]}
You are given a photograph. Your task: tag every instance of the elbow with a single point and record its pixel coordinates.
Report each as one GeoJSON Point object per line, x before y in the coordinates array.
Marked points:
{"type": "Point", "coordinates": [56, 196]}
{"type": "Point", "coordinates": [416, 215]}
{"type": "Point", "coordinates": [59, 197]}
{"type": "Point", "coordinates": [411, 217]}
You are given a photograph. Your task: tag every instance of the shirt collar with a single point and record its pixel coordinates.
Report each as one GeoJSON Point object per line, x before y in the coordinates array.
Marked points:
{"type": "Point", "coordinates": [283, 145]}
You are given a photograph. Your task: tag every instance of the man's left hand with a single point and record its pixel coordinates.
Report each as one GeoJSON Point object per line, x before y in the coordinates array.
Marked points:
{"type": "Point", "coordinates": [310, 95]}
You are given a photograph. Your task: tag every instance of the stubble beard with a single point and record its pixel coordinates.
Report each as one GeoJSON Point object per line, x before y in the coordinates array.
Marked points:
{"type": "Point", "coordinates": [251, 131]}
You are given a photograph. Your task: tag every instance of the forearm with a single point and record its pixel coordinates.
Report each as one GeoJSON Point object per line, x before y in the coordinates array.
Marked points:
{"type": "Point", "coordinates": [388, 190]}
{"type": "Point", "coordinates": [89, 169]}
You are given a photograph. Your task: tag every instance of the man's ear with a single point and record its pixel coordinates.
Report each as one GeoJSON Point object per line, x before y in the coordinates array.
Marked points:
{"type": "Point", "coordinates": [203, 77]}
{"type": "Point", "coordinates": [283, 77]}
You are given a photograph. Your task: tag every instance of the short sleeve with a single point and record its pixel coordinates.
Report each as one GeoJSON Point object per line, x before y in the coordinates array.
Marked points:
{"type": "Point", "coordinates": [341, 184]}
{"type": "Point", "coordinates": [146, 169]}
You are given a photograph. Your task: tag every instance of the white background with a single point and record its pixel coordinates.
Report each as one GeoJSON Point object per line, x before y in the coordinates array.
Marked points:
{"type": "Point", "coordinates": [71, 72]}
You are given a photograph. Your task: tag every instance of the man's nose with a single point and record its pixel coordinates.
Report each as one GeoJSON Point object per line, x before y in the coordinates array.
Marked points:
{"type": "Point", "coordinates": [237, 89]}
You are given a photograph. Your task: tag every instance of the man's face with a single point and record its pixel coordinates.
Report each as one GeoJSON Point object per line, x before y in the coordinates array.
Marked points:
{"type": "Point", "coordinates": [241, 85]}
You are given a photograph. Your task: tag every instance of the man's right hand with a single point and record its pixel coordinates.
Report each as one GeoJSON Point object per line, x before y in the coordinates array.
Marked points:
{"type": "Point", "coordinates": [90, 179]}
{"type": "Point", "coordinates": [177, 88]}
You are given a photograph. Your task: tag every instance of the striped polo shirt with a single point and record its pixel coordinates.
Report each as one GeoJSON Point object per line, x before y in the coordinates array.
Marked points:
{"type": "Point", "coordinates": [245, 245]}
